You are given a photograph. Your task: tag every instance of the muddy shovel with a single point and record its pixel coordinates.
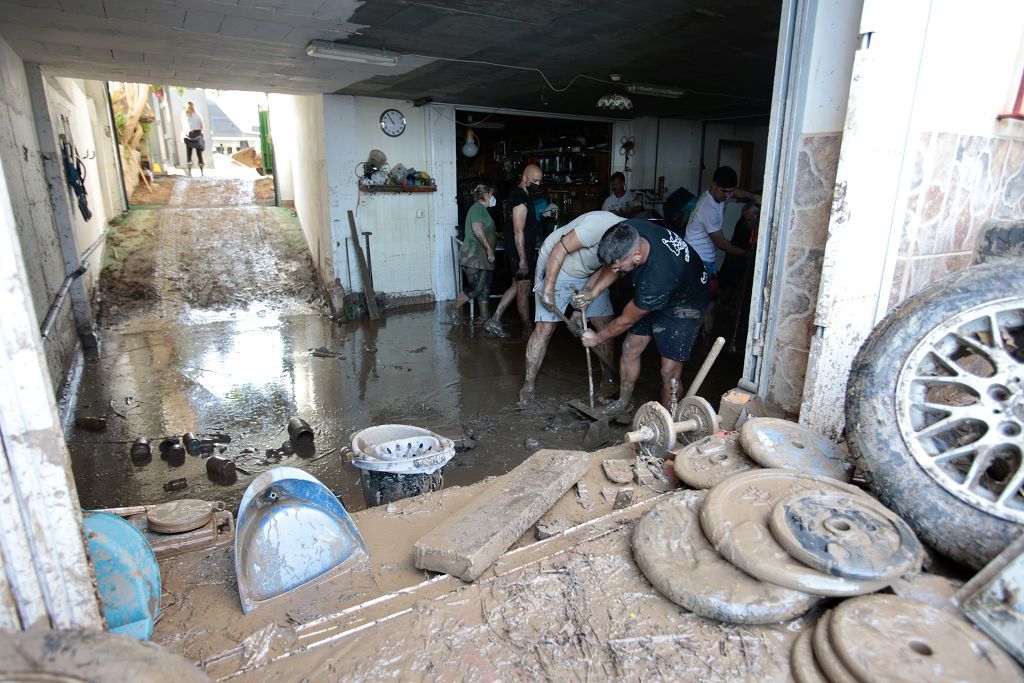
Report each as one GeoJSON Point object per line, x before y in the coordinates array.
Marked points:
{"type": "Point", "coordinates": [601, 355]}
{"type": "Point", "coordinates": [597, 434]}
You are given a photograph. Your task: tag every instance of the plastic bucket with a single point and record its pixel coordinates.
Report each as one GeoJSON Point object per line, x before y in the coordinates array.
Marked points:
{"type": "Point", "coordinates": [381, 488]}
{"type": "Point", "coordinates": [399, 461]}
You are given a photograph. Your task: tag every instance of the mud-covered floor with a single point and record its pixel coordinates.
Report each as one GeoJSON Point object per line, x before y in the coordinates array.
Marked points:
{"type": "Point", "coordinates": [211, 323]}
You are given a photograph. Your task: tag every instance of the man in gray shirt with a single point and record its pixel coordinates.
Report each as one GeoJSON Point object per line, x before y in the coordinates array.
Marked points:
{"type": "Point", "coordinates": [565, 263]}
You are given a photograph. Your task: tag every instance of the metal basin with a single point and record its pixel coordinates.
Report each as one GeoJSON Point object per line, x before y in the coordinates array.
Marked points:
{"type": "Point", "coordinates": [291, 533]}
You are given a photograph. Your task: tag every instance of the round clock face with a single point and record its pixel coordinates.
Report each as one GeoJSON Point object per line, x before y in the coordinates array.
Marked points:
{"type": "Point", "coordinates": [392, 123]}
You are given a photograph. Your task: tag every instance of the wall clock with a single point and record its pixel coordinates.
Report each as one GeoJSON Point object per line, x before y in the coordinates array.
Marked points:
{"type": "Point", "coordinates": [392, 123]}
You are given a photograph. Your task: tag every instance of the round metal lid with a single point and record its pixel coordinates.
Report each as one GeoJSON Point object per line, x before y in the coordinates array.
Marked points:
{"type": "Point", "coordinates": [179, 516]}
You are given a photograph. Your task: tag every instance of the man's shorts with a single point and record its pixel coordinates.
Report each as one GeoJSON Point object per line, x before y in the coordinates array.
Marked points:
{"type": "Point", "coordinates": [565, 284]}
{"type": "Point", "coordinates": [476, 282]}
{"type": "Point", "coordinates": [674, 330]}
{"type": "Point", "coordinates": [513, 264]}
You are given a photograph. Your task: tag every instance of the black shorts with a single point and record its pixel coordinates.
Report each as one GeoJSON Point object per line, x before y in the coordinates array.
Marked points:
{"type": "Point", "coordinates": [674, 330]}
{"type": "Point", "coordinates": [513, 265]}
{"type": "Point", "coordinates": [476, 282]}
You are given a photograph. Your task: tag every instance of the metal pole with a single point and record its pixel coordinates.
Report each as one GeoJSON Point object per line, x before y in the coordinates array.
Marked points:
{"type": "Point", "coordinates": [369, 258]}
{"type": "Point", "coordinates": [590, 367]}
{"type": "Point", "coordinates": [348, 264]}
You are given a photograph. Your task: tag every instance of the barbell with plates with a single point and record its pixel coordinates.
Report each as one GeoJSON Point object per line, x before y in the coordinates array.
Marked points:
{"type": "Point", "coordinates": [655, 431]}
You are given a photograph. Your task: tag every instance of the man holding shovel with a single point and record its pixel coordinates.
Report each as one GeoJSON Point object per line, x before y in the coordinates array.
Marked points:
{"type": "Point", "coordinates": [565, 263]}
{"type": "Point", "coordinates": [669, 300]}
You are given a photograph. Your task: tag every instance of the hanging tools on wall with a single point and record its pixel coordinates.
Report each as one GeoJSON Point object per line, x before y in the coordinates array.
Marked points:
{"type": "Point", "coordinates": [74, 169]}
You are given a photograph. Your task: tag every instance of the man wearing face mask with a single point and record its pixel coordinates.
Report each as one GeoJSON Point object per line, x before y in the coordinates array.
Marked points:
{"type": "Point", "coordinates": [520, 246]}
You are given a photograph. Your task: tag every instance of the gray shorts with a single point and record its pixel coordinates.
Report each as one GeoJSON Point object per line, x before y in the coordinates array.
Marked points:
{"type": "Point", "coordinates": [674, 330]}
{"type": "Point", "coordinates": [565, 285]}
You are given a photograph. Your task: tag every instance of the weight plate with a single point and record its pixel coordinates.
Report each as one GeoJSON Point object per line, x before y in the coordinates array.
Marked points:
{"type": "Point", "coordinates": [179, 516]}
{"type": "Point", "coordinates": [787, 445]}
{"type": "Point", "coordinates": [883, 637]}
{"type": "Point", "coordinates": [735, 519]}
{"type": "Point", "coordinates": [802, 664]}
{"type": "Point", "coordinates": [696, 408]}
{"type": "Point", "coordinates": [846, 535]}
{"type": "Point", "coordinates": [931, 589]}
{"type": "Point", "coordinates": [671, 550]}
{"type": "Point", "coordinates": [654, 416]}
{"type": "Point", "coordinates": [825, 654]}
{"type": "Point", "coordinates": [704, 463]}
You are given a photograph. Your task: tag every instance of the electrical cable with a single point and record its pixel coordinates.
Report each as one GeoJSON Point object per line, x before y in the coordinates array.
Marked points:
{"type": "Point", "coordinates": [514, 66]}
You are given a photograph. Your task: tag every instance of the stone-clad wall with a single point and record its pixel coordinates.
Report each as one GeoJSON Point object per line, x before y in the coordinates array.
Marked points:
{"type": "Point", "coordinates": [959, 182]}
{"type": "Point", "coordinates": [807, 229]}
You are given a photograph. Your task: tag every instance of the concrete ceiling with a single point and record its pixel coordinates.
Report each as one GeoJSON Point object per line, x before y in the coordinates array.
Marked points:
{"type": "Point", "coordinates": [721, 53]}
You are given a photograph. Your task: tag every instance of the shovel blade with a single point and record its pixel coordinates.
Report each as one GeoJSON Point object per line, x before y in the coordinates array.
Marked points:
{"type": "Point", "coordinates": [597, 435]}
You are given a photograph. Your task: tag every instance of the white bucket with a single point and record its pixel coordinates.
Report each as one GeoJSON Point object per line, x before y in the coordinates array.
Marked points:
{"type": "Point", "coordinates": [400, 449]}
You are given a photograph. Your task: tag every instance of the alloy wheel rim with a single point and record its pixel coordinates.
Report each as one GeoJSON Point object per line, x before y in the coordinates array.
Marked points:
{"type": "Point", "coordinates": [960, 406]}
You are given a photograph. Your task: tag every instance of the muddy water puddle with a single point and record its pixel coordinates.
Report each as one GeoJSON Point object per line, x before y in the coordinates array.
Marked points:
{"type": "Point", "coordinates": [246, 375]}
{"type": "Point", "coordinates": [211, 324]}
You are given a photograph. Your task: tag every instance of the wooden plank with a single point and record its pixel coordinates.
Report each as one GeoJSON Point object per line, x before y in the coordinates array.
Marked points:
{"type": "Point", "coordinates": [371, 296]}
{"type": "Point", "coordinates": [469, 541]}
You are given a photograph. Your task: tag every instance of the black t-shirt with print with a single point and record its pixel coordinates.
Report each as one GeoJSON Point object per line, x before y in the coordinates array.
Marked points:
{"type": "Point", "coordinates": [515, 198]}
{"type": "Point", "coordinates": [673, 274]}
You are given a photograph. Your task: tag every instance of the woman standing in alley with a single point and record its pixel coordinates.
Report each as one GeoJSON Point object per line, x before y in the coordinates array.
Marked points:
{"type": "Point", "coordinates": [193, 123]}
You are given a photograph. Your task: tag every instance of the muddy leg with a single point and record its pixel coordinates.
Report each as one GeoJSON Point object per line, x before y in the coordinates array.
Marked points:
{"type": "Point", "coordinates": [670, 369]}
{"type": "Point", "coordinates": [523, 304]}
{"type": "Point", "coordinates": [629, 371]}
{"type": "Point", "coordinates": [535, 350]}
{"type": "Point", "coordinates": [455, 310]}
{"type": "Point", "coordinates": [484, 306]}
{"type": "Point", "coordinates": [494, 324]}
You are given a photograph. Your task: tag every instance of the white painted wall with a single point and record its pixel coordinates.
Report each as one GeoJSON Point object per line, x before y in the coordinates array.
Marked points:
{"type": "Point", "coordinates": [301, 154]}
{"type": "Point", "coordinates": [679, 155]}
{"type": "Point", "coordinates": [67, 100]}
{"type": "Point", "coordinates": [400, 223]}
{"type": "Point", "coordinates": [671, 148]}
{"type": "Point", "coordinates": [33, 216]}
{"type": "Point", "coordinates": [971, 68]}
{"type": "Point", "coordinates": [44, 574]}
{"type": "Point", "coordinates": [828, 80]}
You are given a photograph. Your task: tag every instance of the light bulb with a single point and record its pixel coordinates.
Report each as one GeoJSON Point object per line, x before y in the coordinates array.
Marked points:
{"type": "Point", "coordinates": [470, 148]}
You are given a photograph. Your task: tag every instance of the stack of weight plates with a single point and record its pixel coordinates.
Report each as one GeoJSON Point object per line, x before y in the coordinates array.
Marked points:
{"type": "Point", "coordinates": [761, 442]}
{"type": "Point", "coordinates": [887, 638]}
{"type": "Point", "coordinates": [766, 545]}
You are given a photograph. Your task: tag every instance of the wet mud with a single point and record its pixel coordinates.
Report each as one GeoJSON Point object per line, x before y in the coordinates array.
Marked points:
{"type": "Point", "coordinates": [211, 322]}
{"type": "Point", "coordinates": [203, 192]}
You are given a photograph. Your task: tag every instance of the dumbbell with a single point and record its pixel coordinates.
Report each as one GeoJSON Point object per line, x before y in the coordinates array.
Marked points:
{"type": "Point", "coordinates": [655, 430]}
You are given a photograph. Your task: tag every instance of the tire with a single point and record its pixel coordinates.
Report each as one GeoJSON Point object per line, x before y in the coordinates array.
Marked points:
{"type": "Point", "coordinates": [905, 406]}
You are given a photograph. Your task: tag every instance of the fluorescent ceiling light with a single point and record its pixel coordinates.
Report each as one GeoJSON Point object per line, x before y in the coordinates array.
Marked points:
{"type": "Point", "coordinates": [326, 49]}
{"type": "Point", "coordinates": [654, 90]}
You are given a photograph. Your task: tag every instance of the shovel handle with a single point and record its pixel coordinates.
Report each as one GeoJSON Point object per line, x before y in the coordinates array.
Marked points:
{"type": "Point", "coordinates": [598, 350]}
{"type": "Point", "coordinates": [716, 348]}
